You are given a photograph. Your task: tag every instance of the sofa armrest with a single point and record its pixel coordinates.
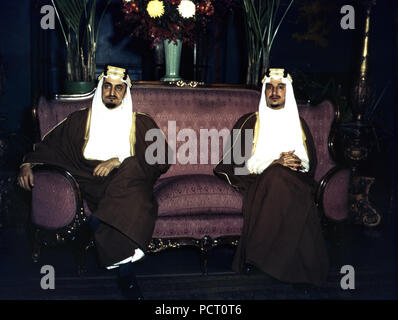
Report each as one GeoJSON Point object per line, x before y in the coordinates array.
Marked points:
{"type": "Point", "coordinates": [57, 205]}
{"type": "Point", "coordinates": [332, 193]}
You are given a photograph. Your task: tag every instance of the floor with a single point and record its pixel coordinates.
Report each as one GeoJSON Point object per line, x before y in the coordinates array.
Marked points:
{"type": "Point", "coordinates": [176, 275]}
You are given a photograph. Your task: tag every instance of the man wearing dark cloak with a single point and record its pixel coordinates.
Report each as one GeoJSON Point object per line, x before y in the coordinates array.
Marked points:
{"type": "Point", "coordinates": [281, 233]}
{"type": "Point", "coordinates": [103, 147]}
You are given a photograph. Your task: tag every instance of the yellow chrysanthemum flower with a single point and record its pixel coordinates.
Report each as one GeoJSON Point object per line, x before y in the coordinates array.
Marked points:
{"type": "Point", "coordinates": [155, 8]}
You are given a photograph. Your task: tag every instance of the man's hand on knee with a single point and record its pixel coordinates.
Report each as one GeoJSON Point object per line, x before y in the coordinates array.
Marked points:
{"type": "Point", "coordinates": [25, 178]}
{"type": "Point", "coordinates": [104, 168]}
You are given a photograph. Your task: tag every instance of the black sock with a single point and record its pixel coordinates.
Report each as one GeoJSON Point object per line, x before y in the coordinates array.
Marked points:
{"type": "Point", "coordinates": [93, 222]}
{"type": "Point", "coordinates": [126, 269]}
{"type": "Point", "coordinates": [128, 282]}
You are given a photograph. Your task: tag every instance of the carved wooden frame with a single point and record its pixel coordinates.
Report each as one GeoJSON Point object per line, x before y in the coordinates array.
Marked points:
{"type": "Point", "coordinates": [205, 244]}
{"type": "Point", "coordinates": [48, 237]}
{"type": "Point", "coordinates": [321, 186]}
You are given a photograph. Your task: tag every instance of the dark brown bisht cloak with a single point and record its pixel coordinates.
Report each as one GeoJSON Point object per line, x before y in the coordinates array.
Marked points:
{"type": "Point", "coordinates": [281, 230]}
{"type": "Point", "coordinates": [123, 200]}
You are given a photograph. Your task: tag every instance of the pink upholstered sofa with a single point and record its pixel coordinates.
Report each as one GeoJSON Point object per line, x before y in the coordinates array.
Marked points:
{"type": "Point", "coordinates": [195, 207]}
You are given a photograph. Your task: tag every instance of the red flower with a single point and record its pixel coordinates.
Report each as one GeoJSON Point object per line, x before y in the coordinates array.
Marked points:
{"type": "Point", "coordinates": [206, 8]}
{"type": "Point", "coordinates": [130, 7]}
{"type": "Point", "coordinates": [210, 10]}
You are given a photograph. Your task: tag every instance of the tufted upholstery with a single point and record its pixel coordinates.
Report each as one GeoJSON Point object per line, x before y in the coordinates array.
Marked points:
{"type": "Point", "coordinates": [192, 201]}
{"type": "Point", "coordinates": [195, 109]}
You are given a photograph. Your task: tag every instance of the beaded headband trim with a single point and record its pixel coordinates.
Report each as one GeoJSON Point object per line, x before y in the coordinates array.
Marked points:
{"type": "Point", "coordinates": [116, 72]}
{"type": "Point", "coordinates": [277, 73]}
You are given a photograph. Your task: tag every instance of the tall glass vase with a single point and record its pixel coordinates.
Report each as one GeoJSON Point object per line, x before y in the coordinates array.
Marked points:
{"type": "Point", "coordinates": [172, 53]}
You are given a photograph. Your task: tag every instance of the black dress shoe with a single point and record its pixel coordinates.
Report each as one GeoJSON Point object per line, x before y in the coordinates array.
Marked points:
{"type": "Point", "coordinates": [247, 268]}
{"type": "Point", "coordinates": [128, 282]}
{"type": "Point", "coordinates": [250, 269]}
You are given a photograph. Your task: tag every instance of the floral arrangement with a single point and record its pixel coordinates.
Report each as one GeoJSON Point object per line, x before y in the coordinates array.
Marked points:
{"type": "Point", "coordinates": [157, 20]}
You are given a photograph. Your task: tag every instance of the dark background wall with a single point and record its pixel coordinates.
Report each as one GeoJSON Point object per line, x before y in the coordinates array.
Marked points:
{"type": "Point", "coordinates": [32, 58]}
{"type": "Point", "coordinates": [15, 55]}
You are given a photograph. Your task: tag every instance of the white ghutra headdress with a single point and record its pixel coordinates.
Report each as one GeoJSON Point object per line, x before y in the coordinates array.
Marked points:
{"type": "Point", "coordinates": [280, 130]}
{"type": "Point", "coordinates": [110, 130]}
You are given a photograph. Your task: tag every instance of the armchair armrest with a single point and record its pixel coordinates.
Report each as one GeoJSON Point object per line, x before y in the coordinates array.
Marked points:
{"type": "Point", "coordinates": [332, 193]}
{"type": "Point", "coordinates": [57, 205]}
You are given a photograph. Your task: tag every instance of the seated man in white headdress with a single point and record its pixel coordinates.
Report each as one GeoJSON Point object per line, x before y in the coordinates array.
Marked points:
{"type": "Point", "coordinates": [281, 233]}
{"type": "Point", "coordinates": [103, 147]}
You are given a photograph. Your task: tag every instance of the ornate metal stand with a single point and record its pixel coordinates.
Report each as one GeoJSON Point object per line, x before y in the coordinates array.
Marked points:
{"type": "Point", "coordinates": [357, 147]}
{"type": "Point", "coordinates": [361, 209]}
{"type": "Point", "coordinates": [359, 136]}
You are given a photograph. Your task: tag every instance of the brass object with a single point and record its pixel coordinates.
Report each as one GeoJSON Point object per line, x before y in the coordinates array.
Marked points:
{"type": "Point", "coordinates": [182, 83]}
{"type": "Point", "coordinates": [157, 245]}
{"type": "Point", "coordinates": [357, 145]}
{"type": "Point", "coordinates": [204, 244]}
{"type": "Point", "coordinates": [361, 210]}
{"type": "Point", "coordinates": [361, 92]}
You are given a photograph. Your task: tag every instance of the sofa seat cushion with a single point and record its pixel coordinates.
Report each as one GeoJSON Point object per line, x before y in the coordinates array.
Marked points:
{"type": "Point", "coordinates": [196, 194]}
{"type": "Point", "coordinates": [198, 226]}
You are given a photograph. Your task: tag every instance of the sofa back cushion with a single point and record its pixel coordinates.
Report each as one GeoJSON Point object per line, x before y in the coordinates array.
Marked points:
{"type": "Point", "coordinates": [184, 113]}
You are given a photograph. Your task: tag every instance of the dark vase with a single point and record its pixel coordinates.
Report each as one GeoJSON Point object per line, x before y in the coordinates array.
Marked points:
{"type": "Point", "coordinates": [78, 87]}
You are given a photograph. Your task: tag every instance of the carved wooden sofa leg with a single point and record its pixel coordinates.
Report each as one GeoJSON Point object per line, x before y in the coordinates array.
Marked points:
{"type": "Point", "coordinates": [205, 245]}
{"type": "Point", "coordinates": [79, 249]}
{"type": "Point", "coordinates": [80, 246]}
{"type": "Point", "coordinates": [36, 246]}
{"type": "Point", "coordinates": [80, 252]}
{"type": "Point", "coordinates": [203, 261]}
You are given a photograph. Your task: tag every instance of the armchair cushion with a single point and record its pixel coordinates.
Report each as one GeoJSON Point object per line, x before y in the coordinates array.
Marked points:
{"type": "Point", "coordinates": [54, 202]}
